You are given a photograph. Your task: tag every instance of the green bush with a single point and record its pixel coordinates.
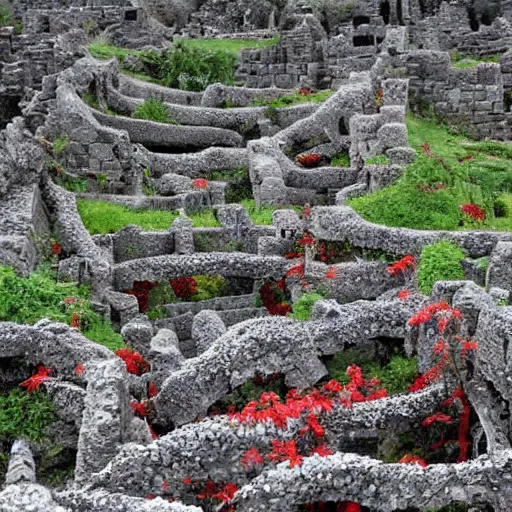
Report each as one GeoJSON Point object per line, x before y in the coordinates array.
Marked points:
{"type": "Point", "coordinates": [60, 144]}
{"type": "Point", "coordinates": [304, 305]}
{"type": "Point", "coordinates": [27, 300]}
{"type": "Point", "coordinates": [190, 68]}
{"type": "Point", "coordinates": [6, 14]}
{"type": "Point", "coordinates": [209, 287]}
{"type": "Point", "coordinates": [153, 110]}
{"type": "Point", "coordinates": [439, 262]}
{"type": "Point", "coordinates": [340, 160]}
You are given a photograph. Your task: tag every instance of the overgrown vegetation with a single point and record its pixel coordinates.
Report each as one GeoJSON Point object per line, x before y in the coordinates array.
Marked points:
{"type": "Point", "coordinates": [341, 160]}
{"type": "Point", "coordinates": [439, 262]}
{"type": "Point", "coordinates": [304, 305]}
{"type": "Point", "coordinates": [6, 14]}
{"type": "Point", "coordinates": [395, 375]}
{"type": "Point", "coordinates": [263, 215]}
{"type": "Point", "coordinates": [450, 172]}
{"type": "Point", "coordinates": [293, 99]}
{"type": "Point", "coordinates": [463, 61]}
{"type": "Point", "coordinates": [153, 110]}
{"type": "Point", "coordinates": [27, 300]}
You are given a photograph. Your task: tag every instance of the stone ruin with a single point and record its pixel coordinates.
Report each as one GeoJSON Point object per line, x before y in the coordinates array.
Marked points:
{"type": "Point", "coordinates": [200, 352]}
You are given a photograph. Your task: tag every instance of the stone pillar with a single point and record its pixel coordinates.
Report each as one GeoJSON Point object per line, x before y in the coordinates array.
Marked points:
{"type": "Point", "coordinates": [183, 235]}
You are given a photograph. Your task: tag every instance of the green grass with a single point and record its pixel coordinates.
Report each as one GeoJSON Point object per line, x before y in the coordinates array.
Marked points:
{"type": "Point", "coordinates": [27, 300]}
{"type": "Point", "coordinates": [293, 99]}
{"type": "Point", "coordinates": [340, 160]}
{"type": "Point", "coordinates": [153, 110]}
{"type": "Point", "coordinates": [60, 144]}
{"type": "Point", "coordinates": [231, 45]}
{"type": "Point", "coordinates": [6, 14]}
{"type": "Point", "coordinates": [304, 305]}
{"type": "Point", "coordinates": [461, 61]}
{"type": "Point", "coordinates": [104, 51]}
{"type": "Point", "coordinates": [101, 217]}
{"type": "Point", "coordinates": [439, 262]}
{"type": "Point", "coordinates": [377, 160]}
{"type": "Point", "coordinates": [429, 194]}
{"type": "Point", "coordinates": [263, 215]}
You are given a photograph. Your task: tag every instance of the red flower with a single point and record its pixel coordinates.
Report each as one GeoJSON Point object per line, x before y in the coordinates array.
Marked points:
{"type": "Point", "coordinates": [401, 266]}
{"type": "Point", "coordinates": [227, 493]}
{"type": "Point", "coordinates": [468, 346]}
{"type": "Point", "coordinates": [70, 300]}
{"type": "Point", "coordinates": [413, 459]}
{"type": "Point", "coordinates": [33, 383]}
{"type": "Point", "coordinates": [438, 417]}
{"type": "Point", "coordinates": [154, 435]}
{"type": "Point", "coordinates": [165, 486]}
{"type": "Point", "coordinates": [187, 480]}
{"type": "Point", "coordinates": [331, 273]}
{"type": "Point", "coordinates": [314, 425]}
{"type": "Point", "coordinates": [79, 369]}
{"type": "Point", "coordinates": [251, 458]}
{"type": "Point", "coordinates": [141, 291]}
{"type": "Point", "coordinates": [75, 321]}
{"type": "Point", "coordinates": [306, 91]}
{"type": "Point", "coordinates": [152, 390]}
{"type": "Point", "coordinates": [473, 211]}
{"type": "Point", "coordinates": [56, 248]}
{"type": "Point", "coordinates": [430, 376]}
{"type": "Point", "coordinates": [322, 450]}
{"type": "Point", "coordinates": [309, 160]}
{"type": "Point", "coordinates": [404, 294]}
{"type": "Point", "coordinates": [285, 450]}
{"type": "Point", "coordinates": [306, 240]}
{"type": "Point", "coordinates": [184, 287]}
{"type": "Point", "coordinates": [306, 211]}
{"type": "Point", "coordinates": [139, 408]}
{"type": "Point", "coordinates": [200, 183]}
{"type": "Point", "coordinates": [135, 363]}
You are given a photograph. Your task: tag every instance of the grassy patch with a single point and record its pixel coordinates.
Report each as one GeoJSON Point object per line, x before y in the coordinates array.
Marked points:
{"type": "Point", "coordinates": [230, 45]}
{"type": "Point", "coordinates": [462, 61]}
{"type": "Point", "coordinates": [104, 51]}
{"type": "Point", "coordinates": [6, 14]}
{"type": "Point", "coordinates": [27, 300]}
{"type": "Point", "coordinates": [293, 99]}
{"type": "Point", "coordinates": [439, 262]}
{"type": "Point", "coordinates": [101, 217]}
{"type": "Point", "coordinates": [263, 215]}
{"type": "Point", "coordinates": [304, 305]}
{"type": "Point", "coordinates": [340, 160]}
{"type": "Point", "coordinates": [431, 191]}
{"type": "Point", "coordinates": [153, 110]}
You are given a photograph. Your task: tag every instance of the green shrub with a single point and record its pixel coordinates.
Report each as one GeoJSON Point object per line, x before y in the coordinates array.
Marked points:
{"type": "Point", "coordinates": [303, 306]}
{"type": "Point", "coordinates": [190, 68]}
{"type": "Point", "coordinates": [160, 295]}
{"type": "Point", "coordinates": [27, 300]}
{"type": "Point", "coordinates": [439, 262]}
{"type": "Point", "coordinates": [293, 99]}
{"type": "Point", "coordinates": [6, 14]}
{"type": "Point", "coordinates": [340, 160]}
{"type": "Point", "coordinates": [153, 110]}
{"type": "Point", "coordinates": [377, 159]}
{"type": "Point", "coordinates": [60, 144]}
{"type": "Point", "coordinates": [209, 287]}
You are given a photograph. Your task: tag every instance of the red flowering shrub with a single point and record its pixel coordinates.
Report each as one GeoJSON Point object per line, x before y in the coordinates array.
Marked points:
{"type": "Point", "coordinates": [56, 249]}
{"type": "Point", "coordinates": [200, 183]}
{"type": "Point", "coordinates": [413, 459]}
{"type": "Point", "coordinates": [306, 91]}
{"type": "Point", "coordinates": [473, 211]}
{"type": "Point", "coordinates": [139, 408]}
{"type": "Point", "coordinates": [33, 383]}
{"type": "Point", "coordinates": [135, 363]}
{"type": "Point", "coordinates": [152, 389]}
{"type": "Point", "coordinates": [75, 321]}
{"type": "Point", "coordinates": [251, 458]}
{"type": "Point", "coordinates": [407, 263]}
{"type": "Point", "coordinates": [213, 495]}
{"type": "Point", "coordinates": [79, 369]}
{"type": "Point", "coordinates": [273, 298]}
{"type": "Point", "coordinates": [306, 211]}
{"type": "Point", "coordinates": [451, 351]}
{"type": "Point", "coordinates": [331, 273]}
{"type": "Point", "coordinates": [404, 294]}
{"type": "Point", "coordinates": [184, 287]}
{"type": "Point", "coordinates": [322, 506]}
{"type": "Point", "coordinates": [141, 291]}
{"type": "Point", "coordinates": [309, 160]}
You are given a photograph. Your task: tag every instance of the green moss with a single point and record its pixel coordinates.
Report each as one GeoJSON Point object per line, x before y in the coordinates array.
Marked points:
{"type": "Point", "coordinates": [439, 262]}
{"type": "Point", "coordinates": [377, 159]}
{"type": "Point", "coordinates": [231, 45]}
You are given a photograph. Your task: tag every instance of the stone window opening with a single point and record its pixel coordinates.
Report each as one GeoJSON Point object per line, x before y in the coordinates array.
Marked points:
{"type": "Point", "coordinates": [130, 15]}
{"type": "Point", "coordinates": [473, 21]}
{"type": "Point", "coordinates": [367, 40]}
{"type": "Point", "coordinates": [342, 127]}
{"type": "Point", "coordinates": [384, 12]}
{"type": "Point", "coordinates": [360, 20]}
